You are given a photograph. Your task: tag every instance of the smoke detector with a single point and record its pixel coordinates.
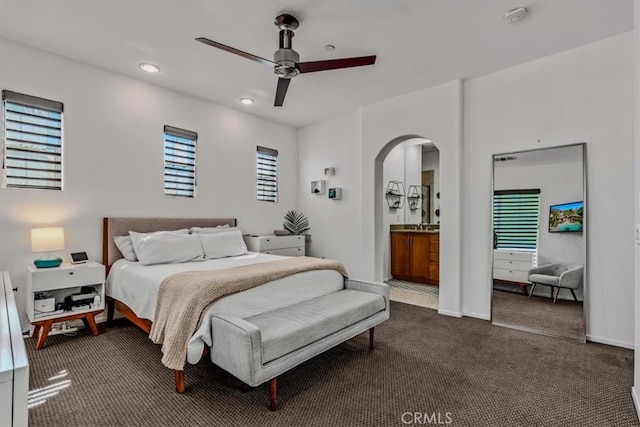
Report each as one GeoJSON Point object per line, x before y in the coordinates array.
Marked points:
{"type": "Point", "coordinates": [516, 15]}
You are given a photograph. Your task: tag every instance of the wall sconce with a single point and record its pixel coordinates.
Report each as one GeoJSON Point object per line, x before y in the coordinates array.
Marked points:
{"type": "Point", "coordinates": [395, 194]}
{"type": "Point", "coordinates": [47, 240]}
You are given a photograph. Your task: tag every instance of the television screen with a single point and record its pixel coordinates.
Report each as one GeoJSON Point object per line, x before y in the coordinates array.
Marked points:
{"type": "Point", "coordinates": [566, 217]}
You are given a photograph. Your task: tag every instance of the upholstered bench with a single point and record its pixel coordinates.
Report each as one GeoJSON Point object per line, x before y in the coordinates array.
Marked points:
{"type": "Point", "coordinates": [259, 348]}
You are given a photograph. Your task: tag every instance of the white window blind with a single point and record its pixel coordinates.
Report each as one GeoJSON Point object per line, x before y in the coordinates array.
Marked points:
{"type": "Point", "coordinates": [267, 174]}
{"type": "Point", "coordinates": [179, 162]}
{"type": "Point", "coordinates": [32, 149]}
{"type": "Point", "coordinates": [515, 219]}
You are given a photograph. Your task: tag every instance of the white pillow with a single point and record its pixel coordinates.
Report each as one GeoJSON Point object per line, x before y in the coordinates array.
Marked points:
{"type": "Point", "coordinates": [208, 230]}
{"type": "Point", "coordinates": [135, 242]}
{"type": "Point", "coordinates": [223, 244]}
{"type": "Point", "coordinates": [125, 246]}
{"type": "Point", "coordinates": [166, 247]}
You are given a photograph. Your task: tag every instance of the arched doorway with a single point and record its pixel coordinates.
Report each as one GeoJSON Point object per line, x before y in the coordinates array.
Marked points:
{"type": "Point", "coordinates": [400, 163]}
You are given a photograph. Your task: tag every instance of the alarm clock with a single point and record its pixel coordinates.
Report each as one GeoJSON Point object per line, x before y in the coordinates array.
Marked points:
{"type": "Point", "coordinates": [79, 258]}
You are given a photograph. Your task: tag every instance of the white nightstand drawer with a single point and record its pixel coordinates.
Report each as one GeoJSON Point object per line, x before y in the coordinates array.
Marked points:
{"type": "Point", "coordinates": [66, 277]}
{"type": "Point", "coordinates": [510, 275]}
{"type": "Point", "coordinates": [286, 251]}
{"type": "Point", "coordinates": [512, 265]}
{"type": "Point", "coordinates": [263, 243]}
{"type": "Point", "coordinates": [512, 255]}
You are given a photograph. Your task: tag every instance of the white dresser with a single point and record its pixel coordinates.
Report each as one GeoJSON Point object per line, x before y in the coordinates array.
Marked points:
{"type": "Point", "coordinates": [276, 245]}
{"type": "Point", "coordinates": [14, 367]}
{"type": "Point", "coordinates": [513, 266]}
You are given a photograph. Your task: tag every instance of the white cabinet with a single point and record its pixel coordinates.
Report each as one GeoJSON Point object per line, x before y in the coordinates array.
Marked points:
{"type": "Point", "coordinates": [276, 245]}
{"type": "Point", "coordinates": [512, 266]}
{"type": "Point", "coordinates": [14, 367]}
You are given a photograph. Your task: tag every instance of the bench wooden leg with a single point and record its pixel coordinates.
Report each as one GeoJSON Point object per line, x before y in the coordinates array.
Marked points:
{"type": "Point", "coordinates": [179, 378]}
{"type": "Point", "coordinates": [273, 388]}
{"type": "Point", "coordinates": [371, 341]}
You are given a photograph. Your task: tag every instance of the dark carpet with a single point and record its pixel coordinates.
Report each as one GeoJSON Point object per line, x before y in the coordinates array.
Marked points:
{"type": "Point", "coordinates": [564, 318]}
{"type": "Point", "coordinates": [464, 370]}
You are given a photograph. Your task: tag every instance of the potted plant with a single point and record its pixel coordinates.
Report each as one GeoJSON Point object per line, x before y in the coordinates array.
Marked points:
{"type": "Point", "coordinates": [296, 223]}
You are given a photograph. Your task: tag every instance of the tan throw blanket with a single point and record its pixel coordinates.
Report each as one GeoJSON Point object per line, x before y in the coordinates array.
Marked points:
{"type": "Point", "coordinates": [183, 298]}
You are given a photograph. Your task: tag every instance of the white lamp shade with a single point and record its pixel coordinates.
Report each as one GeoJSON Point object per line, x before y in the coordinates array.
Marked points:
{"type": "Point", "coordinates": [47, 239]}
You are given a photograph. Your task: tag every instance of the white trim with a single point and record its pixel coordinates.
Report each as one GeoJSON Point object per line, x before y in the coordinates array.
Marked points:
{"type": "Point", "coordinates": [609, 341]}
{"type": "Point", "coordinates": [450, 313]}
{"type": "Point", "coordinates": [477, 315]}
{"type": "Point", "coordinates": [636, 401]}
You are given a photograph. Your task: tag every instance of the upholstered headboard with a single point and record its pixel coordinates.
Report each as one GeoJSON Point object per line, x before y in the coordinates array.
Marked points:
{"type": "Point", "coordinates": [113, 227]}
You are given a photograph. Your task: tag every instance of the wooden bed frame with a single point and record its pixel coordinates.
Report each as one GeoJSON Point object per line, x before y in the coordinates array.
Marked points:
{"type": "Point", "coordinates": [112, 227]}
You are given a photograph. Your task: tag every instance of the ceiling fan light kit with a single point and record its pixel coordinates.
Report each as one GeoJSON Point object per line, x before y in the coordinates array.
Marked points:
{"type": "Point", "coordinates": [286, 61]}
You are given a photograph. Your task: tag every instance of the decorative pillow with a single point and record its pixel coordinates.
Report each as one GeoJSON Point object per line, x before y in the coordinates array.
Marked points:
{"type": "Point", "coordinates": [125, 246]}
{"type": "Point", "coordinates": [223, 244]}
{"type": "Point", "coordinates": [208, 230]}
{"type": "Point", "coordinates": [166, 247]}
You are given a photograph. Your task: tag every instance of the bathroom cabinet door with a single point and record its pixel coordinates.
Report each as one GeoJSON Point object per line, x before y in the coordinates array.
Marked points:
{"type": "Point", "coordinates": [400, 255]}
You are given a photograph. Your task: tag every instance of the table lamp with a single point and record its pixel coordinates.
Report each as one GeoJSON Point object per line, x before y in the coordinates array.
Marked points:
{"type": "Point", "coordinates": [47, 240]}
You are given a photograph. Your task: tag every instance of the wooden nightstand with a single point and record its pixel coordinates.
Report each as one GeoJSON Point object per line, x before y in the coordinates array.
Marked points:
{"type": "Point", "coordinates": [276, 245]}
{"type": "Point", "coordinates": [59, 283]}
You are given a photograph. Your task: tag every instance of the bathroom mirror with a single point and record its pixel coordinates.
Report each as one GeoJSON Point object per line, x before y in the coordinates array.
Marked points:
{"type": "Point", "coordinates": [539, 240]}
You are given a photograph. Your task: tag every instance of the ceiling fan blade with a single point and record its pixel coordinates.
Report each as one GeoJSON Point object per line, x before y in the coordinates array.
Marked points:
{"type": "Point", "coordinates": [281, 91]}
{"type": "Point", "coordinates": [236, 51]}
{"type": "Point", "coordinates": [334, 64]}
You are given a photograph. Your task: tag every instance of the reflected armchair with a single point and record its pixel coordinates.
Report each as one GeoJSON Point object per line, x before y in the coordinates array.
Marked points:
{"type": "Point", "coordinates": [558, 275]}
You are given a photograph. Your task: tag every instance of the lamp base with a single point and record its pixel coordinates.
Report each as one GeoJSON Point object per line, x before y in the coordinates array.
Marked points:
{"type": "Point", "coordinates": [47, 262]}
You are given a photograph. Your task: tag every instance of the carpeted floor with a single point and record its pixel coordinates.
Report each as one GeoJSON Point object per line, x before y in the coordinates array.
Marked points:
{"type": "Point", "coordinates": [564, 318]}
{"type": "Point", "coordinates": [467, 370]}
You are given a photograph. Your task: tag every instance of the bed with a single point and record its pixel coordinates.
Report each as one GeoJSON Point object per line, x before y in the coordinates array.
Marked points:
{"type": "Point", "coordinates": [132, 288]}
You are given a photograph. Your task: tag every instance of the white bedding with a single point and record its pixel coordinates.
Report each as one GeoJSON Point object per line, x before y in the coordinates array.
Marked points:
{"type": "Point", "coordinates": [137, 286]}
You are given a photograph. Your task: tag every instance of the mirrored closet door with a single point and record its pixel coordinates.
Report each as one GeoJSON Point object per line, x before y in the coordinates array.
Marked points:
{"type": "Point", "coordinates": [539, 240]}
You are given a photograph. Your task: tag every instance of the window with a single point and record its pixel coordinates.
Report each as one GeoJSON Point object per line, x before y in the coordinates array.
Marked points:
{"type": "Point", "coordinates": [179, 162]}
{"type": "Point", "coordinates": [32, 154]}
{"type": "Point", "coordinates": [515, 219]}
{"type": "Point", "coordinates": [267, 174]}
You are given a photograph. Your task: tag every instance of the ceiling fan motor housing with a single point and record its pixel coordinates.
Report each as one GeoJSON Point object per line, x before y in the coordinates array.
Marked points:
{"type": "Point", "coordinates": [286, 58]}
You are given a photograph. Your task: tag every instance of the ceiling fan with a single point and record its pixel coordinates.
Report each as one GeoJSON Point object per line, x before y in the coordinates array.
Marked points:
{"type": "Point", "coordinates": [286, 63]}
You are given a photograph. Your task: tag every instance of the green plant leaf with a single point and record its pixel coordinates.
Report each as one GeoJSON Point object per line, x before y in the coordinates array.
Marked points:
{"type": "Point", "coordinates": [296, 222]}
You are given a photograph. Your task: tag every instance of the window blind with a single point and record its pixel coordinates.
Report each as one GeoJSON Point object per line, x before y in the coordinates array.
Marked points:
{"type": "Point", "coordinates": [32, 155]}
{"type": "Point", "coordinates": [267, 174]}
{"type": "Point", "coordinates": [515, 219]}
{"type": "Point", "coordinates": [179, 162]}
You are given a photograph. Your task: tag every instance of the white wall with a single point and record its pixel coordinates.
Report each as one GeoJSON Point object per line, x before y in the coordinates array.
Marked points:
{"type": "Point", "coordinates": [334, 223]}
{"type": "Point", "coordinates": [113, 157]}
{"type": "Point", "coordinates": [579, 95]}
{"type": "Point", "coordinates": [636, 382]}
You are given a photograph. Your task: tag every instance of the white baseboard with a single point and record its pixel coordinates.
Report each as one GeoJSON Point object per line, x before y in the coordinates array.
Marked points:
{"type": "Point", "coordinates": [609, 341]}
{"type": "Point", "coordinates": [477, 315]}
{"type": "Point", "coordinates": [636, 401]}
{"type": "Point", "coordinates": [449, 313]}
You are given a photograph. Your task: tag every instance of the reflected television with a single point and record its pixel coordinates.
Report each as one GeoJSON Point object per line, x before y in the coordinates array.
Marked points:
{"type": "Point", "coordinates": [566, 217]}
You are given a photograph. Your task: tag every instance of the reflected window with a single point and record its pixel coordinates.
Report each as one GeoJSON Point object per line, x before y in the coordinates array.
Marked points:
{"type": "Point", "coordinates": [516, 215]}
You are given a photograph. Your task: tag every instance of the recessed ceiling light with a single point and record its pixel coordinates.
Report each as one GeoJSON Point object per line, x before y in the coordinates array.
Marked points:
{"type": "Point", "coordinates": [329, 47]}
{"type": "Point", "coordinates": [246, 101]}
{"type": "Point", "coordinates": [149, 68]}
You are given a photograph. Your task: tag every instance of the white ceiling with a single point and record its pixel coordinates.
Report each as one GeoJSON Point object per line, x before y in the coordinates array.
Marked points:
{"type": "Point", "coordinates": [419, 43]}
